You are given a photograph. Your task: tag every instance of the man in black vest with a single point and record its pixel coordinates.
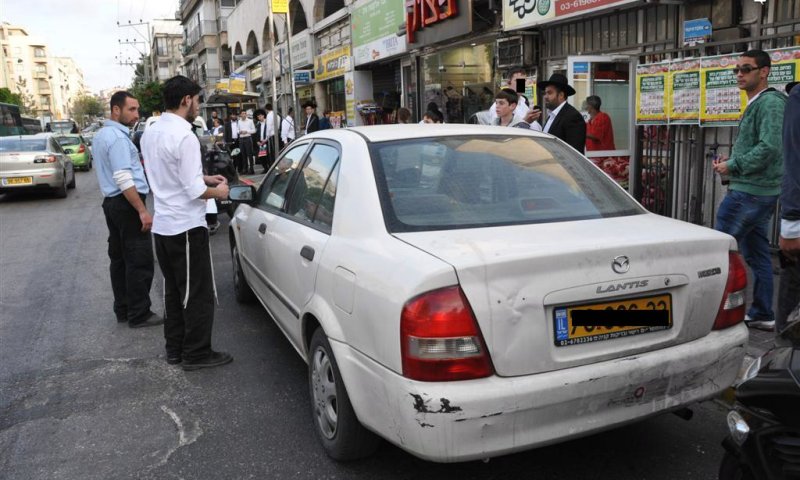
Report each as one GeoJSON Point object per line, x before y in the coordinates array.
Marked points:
{"type": "Point", "coordinates": [563, 120]}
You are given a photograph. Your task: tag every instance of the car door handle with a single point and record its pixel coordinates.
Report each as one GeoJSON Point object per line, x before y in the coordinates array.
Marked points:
{"type": "Point", "coordinates": [262, 228]}
{"type": "Point", "coordinates": [307, 253]}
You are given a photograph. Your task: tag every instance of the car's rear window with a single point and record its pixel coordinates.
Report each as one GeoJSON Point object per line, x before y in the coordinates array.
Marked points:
{"type": "Point", "coordinates": [65, 141]}
{"type": "Point", "coordinates": [466, 182]}
{"type": "Point", "coordinates": [15, 144]}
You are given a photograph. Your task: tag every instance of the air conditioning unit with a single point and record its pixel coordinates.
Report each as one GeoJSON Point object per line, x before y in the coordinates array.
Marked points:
{"type": "Point", "coordinates": [515, 51]}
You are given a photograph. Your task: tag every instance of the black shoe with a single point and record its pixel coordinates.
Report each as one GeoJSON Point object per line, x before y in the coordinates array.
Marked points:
{"type": "Point", "coordinates": [174, 359]}
{"type": "Point", "coordinates": [122, 319]}
{"type": "Point", "coordinates": [151, 321]}
{"type": "Point", "coordinates": [215, 359]}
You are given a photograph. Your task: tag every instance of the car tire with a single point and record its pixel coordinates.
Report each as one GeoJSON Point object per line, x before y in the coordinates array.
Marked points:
{"type": "Point", "coordinates": [241, 290]}
{"type": "Point", "coordinates": [61, 190]}
{"type": "Point", "coordinates": [732, 469]}
{"type": "Point", "coordinates": [71, 184]}
{"type": "Point", "coordinates": [338, 429]}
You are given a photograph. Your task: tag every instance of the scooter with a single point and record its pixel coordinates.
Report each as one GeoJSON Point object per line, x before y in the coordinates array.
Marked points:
{"type": "Point", "coordinates": [764, 439]}
{"type": "Point", "coordinates": [218, 161]}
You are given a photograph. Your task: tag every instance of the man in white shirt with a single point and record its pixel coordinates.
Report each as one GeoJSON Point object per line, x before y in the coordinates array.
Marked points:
{"type": "Point", "coordinates": [287, 128]}
{"type": "Point", "coordinates": [246, 128]}
{"type": "Point", "coordinates": [180, 189]}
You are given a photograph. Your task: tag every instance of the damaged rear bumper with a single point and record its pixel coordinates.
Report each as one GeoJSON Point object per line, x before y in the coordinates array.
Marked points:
{"type": "Point", "coordinates": [475, 419]}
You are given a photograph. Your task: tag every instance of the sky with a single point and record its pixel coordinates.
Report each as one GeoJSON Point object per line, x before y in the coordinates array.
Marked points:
{"type": "Point", "coordinates": [87, 31]}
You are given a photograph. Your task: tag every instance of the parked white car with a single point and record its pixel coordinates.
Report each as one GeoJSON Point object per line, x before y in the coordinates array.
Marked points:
{"type": "Point", "coordinates": [430, 275]}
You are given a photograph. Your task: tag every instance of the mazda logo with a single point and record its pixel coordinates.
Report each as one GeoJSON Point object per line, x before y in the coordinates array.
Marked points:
{"type": "Point", "coordinates": [621, 264]}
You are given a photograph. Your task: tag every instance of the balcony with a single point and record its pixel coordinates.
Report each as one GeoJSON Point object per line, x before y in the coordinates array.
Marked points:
{"type": "Point", "coordinates": [194, 35]}
{"type": "Point", "coordinates": [222, 24]}
{"type": "Point", "coordinates": [40, 75]}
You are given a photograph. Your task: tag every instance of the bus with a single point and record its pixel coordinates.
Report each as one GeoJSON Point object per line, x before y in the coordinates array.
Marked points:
{"type": "Point", "coordinates": [61, 126]}
{"type": "Point", "coordinates": [31, 125]}
{"type": "Point", "coordinates": [10, 120]}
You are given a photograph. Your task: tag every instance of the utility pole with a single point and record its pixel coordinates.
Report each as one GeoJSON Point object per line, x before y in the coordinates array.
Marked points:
{"type": "Point", "coordinates": [277, 127]}
{"type": "Point", "coordinates": [289, 50]}
{"type": "Point", "coordinates": [148, 60]}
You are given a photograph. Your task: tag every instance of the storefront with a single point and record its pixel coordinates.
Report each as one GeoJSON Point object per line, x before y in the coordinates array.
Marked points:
{"type": "Point", "coordinates": [376, 52]}
{"type": "Point", "coordinates": [329, 75]}
{"type": "Point", "coordinates": [456, 69]}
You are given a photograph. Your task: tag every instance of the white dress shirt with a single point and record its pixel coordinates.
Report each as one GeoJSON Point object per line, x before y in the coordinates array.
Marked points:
{"type": "Point", "coordinates": [175, 172]}
{"type": "Point", "coordinates": [270, 124]}
{"type": "Point", "coordinates": [552, 117]}
{"type": "Point", "coordinates": [235, 129]}
{"type": "Point", "coordinates": [246, 127]}
{"type": "Point", "coordinates": [287, 129]}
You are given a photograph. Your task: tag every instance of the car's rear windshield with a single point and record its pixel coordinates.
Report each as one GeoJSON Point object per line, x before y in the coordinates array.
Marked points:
{"type": "Point", "coordinates": [467, 182]}
{"type": "Point", "coordinates": [65, 141]}
{"type": "Point", "coordinates": [16, 144]}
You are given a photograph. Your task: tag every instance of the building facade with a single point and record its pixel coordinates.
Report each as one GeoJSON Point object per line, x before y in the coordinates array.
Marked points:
{"type": "Point", "coordinates": [47, 84]}
{"type": "Point", "coordinates": [165, 50]}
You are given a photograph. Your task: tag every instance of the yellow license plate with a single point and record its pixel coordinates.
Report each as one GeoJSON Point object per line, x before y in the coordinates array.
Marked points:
{"type": "Point", "coordinates": [611, 320]}
{"type": "Point", "coordinates": [18, 181]}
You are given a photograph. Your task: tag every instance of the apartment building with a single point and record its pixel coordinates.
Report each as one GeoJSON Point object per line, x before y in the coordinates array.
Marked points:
{"type": "Point", "coordinates": [48, 84]}
{"type": "Point", "coordinates": [167, 42]}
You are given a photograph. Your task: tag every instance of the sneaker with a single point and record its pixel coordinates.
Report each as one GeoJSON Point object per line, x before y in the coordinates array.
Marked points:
{"type": "Point", "coordinates": [766, 325]}
{"type": "Point", "coordinates": [212, 229]}
{"type": "Point", "coordinates": [151, 321]}
{"type": "Point", "coordinates": [215, 359]}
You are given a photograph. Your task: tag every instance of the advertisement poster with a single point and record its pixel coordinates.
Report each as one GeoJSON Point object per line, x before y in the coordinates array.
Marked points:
{"type": "Point", "coordinates": [721, 101]}
{"type": "Point", "coordinates": [785, 67]}
{"type": "Point", "coordinates": [651, 93]}
{"type": "Point", "coordinates": [332, 64]}
{"type": "Point", "coordinates": [527, 13]}
{"type": "Point", "coordinates": [684, 106]}
{"type": "Point", "coordinates": [374, 24]}
{"type": "Point", "coordinates": [349, 100]}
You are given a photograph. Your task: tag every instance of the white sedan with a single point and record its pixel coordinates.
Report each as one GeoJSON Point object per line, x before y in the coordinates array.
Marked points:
{"type": "Point", "coordinates": [467, 291]}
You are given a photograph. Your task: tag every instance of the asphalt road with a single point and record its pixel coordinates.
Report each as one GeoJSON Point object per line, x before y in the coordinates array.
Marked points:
{"type": "Point", "coordinates": [82, 397]}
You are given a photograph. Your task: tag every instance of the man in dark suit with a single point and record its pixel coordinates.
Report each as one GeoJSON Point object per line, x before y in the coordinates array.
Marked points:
{"type": "Point", "coordinates": [312, 121]}
{"type": "Point", "coordinates": [563, 120]}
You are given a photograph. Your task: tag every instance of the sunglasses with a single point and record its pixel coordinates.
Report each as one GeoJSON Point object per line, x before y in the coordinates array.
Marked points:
{"type": "Point", "coordinates": [744, 69]}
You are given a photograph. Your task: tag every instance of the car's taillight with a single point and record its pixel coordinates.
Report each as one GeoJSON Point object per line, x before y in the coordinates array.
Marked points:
{"type": "Point", "coordinates": [731, 309]}
{"type": "Point", "coordinates": [82, 148]}
{"type": "Point", "coordinates": [440, 338]}
{"type": "Point", "coordinates": [45, 159]}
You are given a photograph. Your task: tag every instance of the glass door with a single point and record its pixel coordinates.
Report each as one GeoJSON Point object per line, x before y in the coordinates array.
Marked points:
{"type": "Point", "coordinates": [610, 79]}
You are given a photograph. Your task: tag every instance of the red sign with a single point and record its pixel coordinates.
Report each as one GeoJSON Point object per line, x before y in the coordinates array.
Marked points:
{"type": "Point", "coordinates": [423, 13]}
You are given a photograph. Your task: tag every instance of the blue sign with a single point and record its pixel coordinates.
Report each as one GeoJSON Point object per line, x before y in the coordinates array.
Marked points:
{"type": "Point", "coordinates": [580, 67]}
{"type": "Point", "coordinates": [696, 31]}
{"type": "Point", "coordinates": [302, 77]}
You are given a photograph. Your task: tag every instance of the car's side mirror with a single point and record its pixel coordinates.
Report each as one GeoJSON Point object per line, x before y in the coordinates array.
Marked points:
{"type": "Point", "coordinates": [242, 193]}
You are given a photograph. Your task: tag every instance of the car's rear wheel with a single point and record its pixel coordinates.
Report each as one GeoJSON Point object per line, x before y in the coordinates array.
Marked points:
{"type": "Point", "coordinates": [71, 184]}
{"type": "Point", "coordinates": [241, 290]}
{"type": "Point", "coordinates": [337, 427]}
{"type": "Point", "coordinates": [61, 190]}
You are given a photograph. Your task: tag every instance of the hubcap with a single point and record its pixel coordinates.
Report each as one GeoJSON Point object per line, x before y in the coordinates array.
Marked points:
{"type": "Point", "coordinates": [323, 382]}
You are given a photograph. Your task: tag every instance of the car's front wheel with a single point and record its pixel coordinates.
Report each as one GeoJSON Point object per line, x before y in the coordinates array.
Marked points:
{"type": "Point", "coordinates": [337, 427]}
{"type": "Point", "coordinates": [241, 290]}
{"type": "Point", "coordinates": [732, 469]}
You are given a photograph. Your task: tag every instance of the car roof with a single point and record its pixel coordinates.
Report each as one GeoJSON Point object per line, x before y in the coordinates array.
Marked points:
{"type": "Point", "coordinates": [384, 133]}
{"type": "Point", "coordinates": [42, 135]}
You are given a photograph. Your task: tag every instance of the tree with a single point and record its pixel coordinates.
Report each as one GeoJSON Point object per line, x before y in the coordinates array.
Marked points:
{"type": "Point", "coordinates": [7, 97]}
{"type": "Point", "coordinates": [86, 107]}
{"type": "Point", "coordinates": [27, 104]}
{"type": "Point", "coordinates": [150, 97]}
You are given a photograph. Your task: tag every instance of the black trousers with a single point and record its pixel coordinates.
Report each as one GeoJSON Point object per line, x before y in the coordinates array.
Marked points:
{"type": "Point", "coordinates": [788, 291]}
{"type": "Point", "coordinates": [131, 253]}
{"type": "Point", "coordinates": [246, 146]}
{"type": "Point", "coordinates": [188, 324]}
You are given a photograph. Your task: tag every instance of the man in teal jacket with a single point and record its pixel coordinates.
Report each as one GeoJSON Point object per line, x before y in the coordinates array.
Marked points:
{"type": "Point", "coordinates": [755, 168]}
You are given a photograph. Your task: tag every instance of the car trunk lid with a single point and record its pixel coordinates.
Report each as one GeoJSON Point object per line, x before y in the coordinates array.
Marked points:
{"type": "Point", "coordinates": [520, 281]}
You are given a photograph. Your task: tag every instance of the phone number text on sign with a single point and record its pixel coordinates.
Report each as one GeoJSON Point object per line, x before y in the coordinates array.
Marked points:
{"type": "Point", "coordinates": [566, 7]}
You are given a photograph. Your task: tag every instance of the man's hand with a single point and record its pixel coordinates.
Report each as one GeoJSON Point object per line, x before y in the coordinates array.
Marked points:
{"type": "Point", "coordinates": [214, 180]}
{"type": "Point", "coordinates": [146, 219]}
{"type": "Point", "coordinates": [532, 116]}
{"type": "Point", "coordinates": [721, 165]}
{"type": "Point", "coordinates": [790, 247]}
